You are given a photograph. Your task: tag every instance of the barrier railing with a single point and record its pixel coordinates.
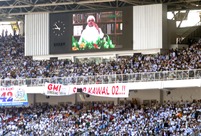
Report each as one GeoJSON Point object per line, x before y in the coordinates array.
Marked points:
{"type": "Point", "coordinates": [107, 79]}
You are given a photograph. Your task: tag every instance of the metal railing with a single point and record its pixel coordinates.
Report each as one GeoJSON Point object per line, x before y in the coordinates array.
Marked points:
{"type": "Point", "coordinates": [107, 79]}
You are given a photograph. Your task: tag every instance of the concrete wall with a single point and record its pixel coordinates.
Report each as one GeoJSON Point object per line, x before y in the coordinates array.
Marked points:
{"type": "Point", "coordinates": [141, 95]}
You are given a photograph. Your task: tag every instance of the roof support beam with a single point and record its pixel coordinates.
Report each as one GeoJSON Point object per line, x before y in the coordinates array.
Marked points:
{"type": "Point", "coordinates": [186, 14]}
{"type": "Point", "coordinates": [54, 4]}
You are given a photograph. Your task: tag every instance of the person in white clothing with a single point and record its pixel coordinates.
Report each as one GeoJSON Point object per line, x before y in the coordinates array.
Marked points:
{"type": "Point", "coordinates": [92, 32]}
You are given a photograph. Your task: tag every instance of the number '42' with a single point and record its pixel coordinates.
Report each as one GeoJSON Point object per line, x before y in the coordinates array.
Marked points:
{"type": "Point", "coordinates": [6, 99]}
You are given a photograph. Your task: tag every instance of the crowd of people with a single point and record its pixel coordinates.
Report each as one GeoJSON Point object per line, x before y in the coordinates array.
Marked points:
{"type": "Point", "coordinates": [14, 65]}
{"type": "Point", "coordinates": [103, 119]}
{"type": "Point", "coordinates": [130, 119]}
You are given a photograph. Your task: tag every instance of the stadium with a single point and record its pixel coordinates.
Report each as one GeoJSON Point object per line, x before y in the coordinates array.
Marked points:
{"type": "Point", "coordinates": [100, 68]}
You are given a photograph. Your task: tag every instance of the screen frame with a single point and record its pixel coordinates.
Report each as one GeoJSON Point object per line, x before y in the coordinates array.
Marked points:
{"type": "Point", "coordinates": [127, 35]}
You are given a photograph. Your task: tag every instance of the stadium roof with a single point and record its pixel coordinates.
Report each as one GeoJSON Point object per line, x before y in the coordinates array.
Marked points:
{"type": "Point", "coordinates": [16, 9]}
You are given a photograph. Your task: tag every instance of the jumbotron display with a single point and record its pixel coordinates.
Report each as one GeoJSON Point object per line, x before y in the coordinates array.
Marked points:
{"type": "Point", "coordinates": [91, 31]}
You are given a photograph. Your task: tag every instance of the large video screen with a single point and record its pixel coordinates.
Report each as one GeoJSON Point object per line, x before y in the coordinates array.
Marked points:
{"type": "Point", "coordinates": [91, 31]}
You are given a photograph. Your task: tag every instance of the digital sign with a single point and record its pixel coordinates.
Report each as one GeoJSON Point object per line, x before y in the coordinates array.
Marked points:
{"type": "Point", "coordinates": [76, 32]}
{"type": "Point", "coordinates": [13, 96]}
{"type": "Point", "coordinates": [99, 30]}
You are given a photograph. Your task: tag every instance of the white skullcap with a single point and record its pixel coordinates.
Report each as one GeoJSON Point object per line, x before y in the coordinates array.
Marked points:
{"type": "Point", "coordinates": [91, 17]}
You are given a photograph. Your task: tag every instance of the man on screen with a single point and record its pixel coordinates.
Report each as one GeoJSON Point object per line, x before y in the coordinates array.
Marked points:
{"type": "Point", "coordinates": [92, 32]}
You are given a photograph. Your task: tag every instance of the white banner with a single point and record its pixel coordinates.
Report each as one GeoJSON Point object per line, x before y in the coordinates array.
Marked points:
{"type": "Point", "coordinates": [13, 96]}
{"type": "Point", "coordinates": [57, 90]}
{"type": "Point", "coordinates": [102, 90]}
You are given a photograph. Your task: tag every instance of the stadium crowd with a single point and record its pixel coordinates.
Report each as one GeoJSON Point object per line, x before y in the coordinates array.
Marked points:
{"type": "Point", "coordinates": [14, 65]}
{"type": "Point", "coordinates": [103, 119]}
{"type": "Point", "coordinates": [169, 119]}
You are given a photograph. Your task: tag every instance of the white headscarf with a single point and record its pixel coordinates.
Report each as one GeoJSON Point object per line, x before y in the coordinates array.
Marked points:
{"type": "Point", "coordinates": [90, 17]}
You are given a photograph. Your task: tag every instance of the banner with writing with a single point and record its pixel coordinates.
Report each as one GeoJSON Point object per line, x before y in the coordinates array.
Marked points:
{"type": "Point", "coordinates": [103, 90]}
{"type": "Point", "coordinates": [13, 96]}
{"type": "Point", "coordinates": [57, 90]}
